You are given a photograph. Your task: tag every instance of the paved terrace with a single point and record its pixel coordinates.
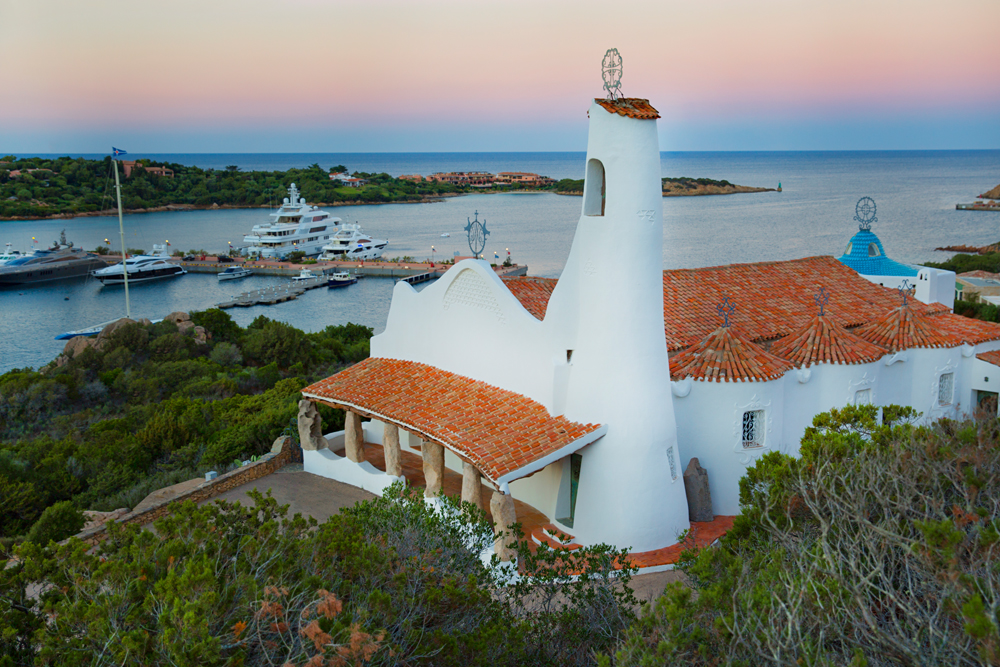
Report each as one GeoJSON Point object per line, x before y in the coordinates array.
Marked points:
{"type": "Point", "coordinates": [320, 498]}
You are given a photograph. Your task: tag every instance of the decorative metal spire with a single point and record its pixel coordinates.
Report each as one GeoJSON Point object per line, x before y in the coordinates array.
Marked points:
{"type": "Point", "coordinates": [864, 213]}
{"type": "Point", "coordinates": [822, 299]}
{"type": "Point", "coordinates": [612, 74]}
{"type": "Point", "coordinates": [477, 234]}
{"type": "Point", "coordinates": [725, 309]}
{"type": "Point", "coordinates": [906, 290]}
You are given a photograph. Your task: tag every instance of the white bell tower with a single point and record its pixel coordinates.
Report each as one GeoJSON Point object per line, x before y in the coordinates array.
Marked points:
{"type": "Point", "coordinates": [607, 312]}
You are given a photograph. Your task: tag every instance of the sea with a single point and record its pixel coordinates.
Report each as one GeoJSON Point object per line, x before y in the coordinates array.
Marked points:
{"type": "Point", "coordinates": [915, 192]}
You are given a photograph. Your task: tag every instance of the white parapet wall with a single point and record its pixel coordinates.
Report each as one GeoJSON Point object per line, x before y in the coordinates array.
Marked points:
{"type": "Point", "coordinates": [327, 463]}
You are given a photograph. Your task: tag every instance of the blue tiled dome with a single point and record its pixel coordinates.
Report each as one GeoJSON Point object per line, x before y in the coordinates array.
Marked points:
{"type": "Point", "coordinates": [865, 255]}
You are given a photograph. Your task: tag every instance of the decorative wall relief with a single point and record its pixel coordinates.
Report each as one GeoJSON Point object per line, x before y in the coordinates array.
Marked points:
{"type": "Point", "coordinates": [470, 290]}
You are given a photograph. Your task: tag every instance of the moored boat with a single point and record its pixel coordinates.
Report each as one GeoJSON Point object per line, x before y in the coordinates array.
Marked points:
{"type": "Point", "coordinates": [341, 279]}
{"type": "Point", "coordinates": [304, 275]}
{"type": "Point", "coordinates": [59, 262]}
{"type": "Point", "coordinates": [141, 268]}
{"type": "Point", "coordinates": [234, 272]}
{"type": "Point", "coordinates": [350, 244]}
{"type": "Point", "coordinates": [297, 226]}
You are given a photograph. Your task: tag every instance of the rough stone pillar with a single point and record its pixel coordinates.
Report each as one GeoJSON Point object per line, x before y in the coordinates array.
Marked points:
{"type": "Point", "coordinates": [472, 485]}
{"type": "Point", "coordinates": [354, 437]}
{"type": "Point", "coordinates": [393, 455]}
{"type": "Point", "coordinates": [699, 495]}
{"type": "Point", "coordinates": [433, 455]}
{"type": "Point", "coordinates": [502, 508]}
{"type": "Point", "coordinates": [310, 427]}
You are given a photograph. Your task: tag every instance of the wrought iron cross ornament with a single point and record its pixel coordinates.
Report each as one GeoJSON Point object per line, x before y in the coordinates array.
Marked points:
{"type": "Point", "coordinates": [822, 299]}
{"type": "Point", "coordinates": [904, 290]}
{"type": "Point", "coordinates": [864, 213]}
{"type": "Point", "coordinates": [725, 309]}
{"type": "Point", "coordinates": [612, 73]}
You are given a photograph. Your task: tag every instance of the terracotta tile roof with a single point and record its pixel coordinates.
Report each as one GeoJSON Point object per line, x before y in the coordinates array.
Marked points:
{"type": "Point", "coordinates": [533, 293]}
{"type": "Point", "coordinates": [499, 431]}
{"type": "Point", "coordinates": [633, 107]}
{"type": "Point", "coordinates": [990, 357]}
{"type": "Point", "coordinates": [724, 356]}
{"type": "Point", "coordinates": [772, 299]}
{"type": "Point", "coordinates": [903, 328]}
{"type": "Point", "coordinates": [967, 329]}
{"type": "Point", "coordinates": [979, 273]}
{"type": "Point", "coordinates": [821, 340]}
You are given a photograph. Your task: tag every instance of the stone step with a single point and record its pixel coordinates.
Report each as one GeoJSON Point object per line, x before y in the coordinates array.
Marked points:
{"type": "Point", "coordinates": [549, 534]}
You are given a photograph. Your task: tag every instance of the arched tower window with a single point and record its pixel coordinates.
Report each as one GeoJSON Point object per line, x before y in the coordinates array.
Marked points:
{"type": "Point", "coordinates": [873, 250]}
{"type": "Point", "coordinates": [594, 189]}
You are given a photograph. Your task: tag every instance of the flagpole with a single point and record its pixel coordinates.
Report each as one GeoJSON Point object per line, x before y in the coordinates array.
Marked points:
{"type": "Point", "coordinates": [121, 230]}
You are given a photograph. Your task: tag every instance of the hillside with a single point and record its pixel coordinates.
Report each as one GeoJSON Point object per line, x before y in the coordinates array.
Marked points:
{"type": "Point", "coordinates": [692, 187]}
{"type": "Point", "coordinates": [992, 194]}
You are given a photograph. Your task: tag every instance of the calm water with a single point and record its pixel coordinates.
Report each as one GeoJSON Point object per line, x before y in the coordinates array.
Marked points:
{"type": "Point", "coordinates": [916, 193]}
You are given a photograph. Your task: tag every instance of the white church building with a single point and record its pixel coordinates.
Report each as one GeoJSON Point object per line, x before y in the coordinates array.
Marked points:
{"type": "Point", "coordinates": [585, 397]}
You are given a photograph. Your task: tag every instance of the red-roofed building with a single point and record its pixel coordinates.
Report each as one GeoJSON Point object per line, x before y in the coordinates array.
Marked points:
{"type": "Point", "coordinates": [587, 396]}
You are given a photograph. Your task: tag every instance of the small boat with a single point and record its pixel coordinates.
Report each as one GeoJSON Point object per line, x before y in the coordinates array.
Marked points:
{"type": "Point", "coordinates": [304, 275]}
{"type": "Point", "coordinates": [141, 268]}
{"type": "Point", "coordinates": [92, 331]}
{"type": "Point", "coordinates": [234, 272]}
{"type": "Point", "coordinates": [445, 235]}
{"type": "Point", "coordinates": [341, 279]}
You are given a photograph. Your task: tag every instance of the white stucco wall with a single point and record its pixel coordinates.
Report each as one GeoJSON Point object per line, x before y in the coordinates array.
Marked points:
{"type": "Point", "coordinates": [710, 427]}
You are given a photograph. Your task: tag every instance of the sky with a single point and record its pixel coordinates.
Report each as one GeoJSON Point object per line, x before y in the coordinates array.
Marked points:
{"type": "Point", "coordinates": [212, 76]}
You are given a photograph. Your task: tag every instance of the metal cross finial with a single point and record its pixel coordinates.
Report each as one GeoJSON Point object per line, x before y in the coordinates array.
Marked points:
{"type": "Point", "coordinates": [725, 309]}
{"type": "Point", "coordinates": [822, 299]}
{"type": "Point", "coordinates": [864, 213]}
{"type": "Point", "coordinates": [612, 73]}
{"type": "Point", "coordinates": [905, 290]}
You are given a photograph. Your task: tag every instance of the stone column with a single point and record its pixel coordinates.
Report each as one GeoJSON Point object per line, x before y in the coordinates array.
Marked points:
{"type": "Point", "coordinates": [393, 455]}
{"type": "Point", "coordinates": [472, 485]}
{"type": "Point", "coordinates": [433, 455]}
{"type": "Point", "coordinates": [354, 437]}
{"type": "Point", "coordinates": [310, 427]}
{"type": "Point", "coordinates": [502, 508]}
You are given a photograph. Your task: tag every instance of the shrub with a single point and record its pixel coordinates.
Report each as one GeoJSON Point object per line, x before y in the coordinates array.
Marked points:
{"type": "Point", "coordinates": [226, 355]}
{"type": "Point", "coordinates": [878, 547]}
{"type": "Point", "coordinates": [57, 522]}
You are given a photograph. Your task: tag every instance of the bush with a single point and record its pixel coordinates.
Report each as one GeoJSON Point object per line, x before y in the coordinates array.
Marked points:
{"type": "Point", "coordinates": [878, 547]}
{"type": "Point", "coordinates": [57, 522]}
{"type": "Point", "coordinates": [226, 355]}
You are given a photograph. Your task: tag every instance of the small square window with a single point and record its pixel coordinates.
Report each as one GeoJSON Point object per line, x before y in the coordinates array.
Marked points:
{"type": "Point", "coordinates": [753, 429]}
{"type": "Point", "coordinates": [863, 397]}
{"type": "Point", "coordinates": [946, 388]}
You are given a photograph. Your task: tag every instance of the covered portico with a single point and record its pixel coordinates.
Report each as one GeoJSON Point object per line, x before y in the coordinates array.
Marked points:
{"type": "Point", "coordinates": [498, 435]}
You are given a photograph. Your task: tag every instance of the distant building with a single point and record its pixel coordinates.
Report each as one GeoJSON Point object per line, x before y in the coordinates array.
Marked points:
{"type": "Point", "coordinates": [476, 179]}
{"type": "Point", "coordinates": [523, 179]}
{"type": "Point", "coordinates": [130, 165]}
{"type": "Point", "coordinates": [412, 177]}
{"type": "Point", "coordinates": [17, 172]}
{"type": "Point", "coordinates": [348, 180]}
{"type": "Point", "coordinates": [978, 285]}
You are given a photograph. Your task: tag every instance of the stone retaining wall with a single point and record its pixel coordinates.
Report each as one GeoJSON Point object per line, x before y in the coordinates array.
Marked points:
{"type": "Point", "coordinates": [263, 467]}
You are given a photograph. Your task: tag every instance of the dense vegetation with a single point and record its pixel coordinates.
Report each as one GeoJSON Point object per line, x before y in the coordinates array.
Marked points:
{"type": "Point", "coordinates": [76, 185]}
{"type": "Point", "coordinates": [963, 263]}
{"type": "Point", "coordinates": [150, 408]}
{"type": "Point", "coordinates": [390, 581]}
{"type": "Point", "coordinates": [879, 546]}
{"type": "Point", "coordinates": [692, 183]}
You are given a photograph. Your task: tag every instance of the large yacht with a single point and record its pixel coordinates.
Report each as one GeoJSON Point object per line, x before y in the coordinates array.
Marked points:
{"type": "Point", "coordinates": [60, 261]}
{"type": "Point", "coordinates": [297, 226]}
{"type": "Point", "coordinates": [349, 243]}
{"type": "Point", "coordinates": [141, 268]}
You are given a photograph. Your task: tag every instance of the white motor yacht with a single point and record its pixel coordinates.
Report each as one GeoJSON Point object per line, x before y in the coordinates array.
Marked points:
{"type": "Point", "coordinates": [304, 275]}
{"type": "Point", "coordinates": [296, 226]}
{"type": "Point", "coordinates": [234, 272]}
{"type": "Point", "coordinates": [349, 243]}
{"type": "Point", "coordinates": [9, 254]}
{"type": "Point", "coordinates": [141, 268]}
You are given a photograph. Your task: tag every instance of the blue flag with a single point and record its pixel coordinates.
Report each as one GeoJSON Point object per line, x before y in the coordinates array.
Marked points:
{"type": "Point", "coordinates": [118, 151]}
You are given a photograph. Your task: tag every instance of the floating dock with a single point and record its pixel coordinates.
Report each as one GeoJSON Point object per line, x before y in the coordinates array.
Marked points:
{"type": "Point", "coordinates": [275, 294]}
{"type": "Point", "coordinates": [995, 207]}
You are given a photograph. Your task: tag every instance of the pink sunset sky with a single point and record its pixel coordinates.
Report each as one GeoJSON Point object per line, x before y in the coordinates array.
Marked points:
{"type": "Point", "coordinates": [441, 75]}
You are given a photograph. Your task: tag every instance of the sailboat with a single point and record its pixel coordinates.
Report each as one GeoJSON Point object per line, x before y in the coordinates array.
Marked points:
{"type": "Point", "coordinates": [97, 328]}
